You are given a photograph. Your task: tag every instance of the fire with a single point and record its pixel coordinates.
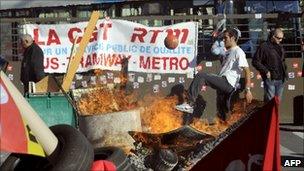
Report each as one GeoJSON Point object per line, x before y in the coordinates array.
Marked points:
{"type": "Point", "coordinates": [123, 80]}
{"type": "Point", "coordinates": [213, 129]}
{"type": "Point", "coordinates": [104, 100]}
{"type": "Point", "coordinates": [98, 72]}
{"type": "Point", "coordinates": [239, 110]}
{"type": "Point", "coordinates": [159, 115]}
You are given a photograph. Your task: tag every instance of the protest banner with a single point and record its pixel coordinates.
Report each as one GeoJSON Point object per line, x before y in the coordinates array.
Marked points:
{"type": "Point", "coordinates": [113, 40]}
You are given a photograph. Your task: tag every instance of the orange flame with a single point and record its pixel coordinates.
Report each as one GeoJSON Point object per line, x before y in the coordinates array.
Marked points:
{"type": "Point", "coordinates": [98, 72]}
{"type": "Point", "coordinates": [239, 110]}
{"type": "Point", "coordinates": [105, 100]}
{"type": "Point", "coordinates": [123, 79]}
{"type": "Point", "coordinates": [159, 114]}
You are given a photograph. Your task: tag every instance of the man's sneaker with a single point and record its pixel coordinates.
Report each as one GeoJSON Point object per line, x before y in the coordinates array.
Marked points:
{"type": "Point", "coordinates": [185, 107]}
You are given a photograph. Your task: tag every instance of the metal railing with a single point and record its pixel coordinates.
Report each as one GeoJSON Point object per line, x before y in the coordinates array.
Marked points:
{"type": "Point", "coordinates": [10, 46]}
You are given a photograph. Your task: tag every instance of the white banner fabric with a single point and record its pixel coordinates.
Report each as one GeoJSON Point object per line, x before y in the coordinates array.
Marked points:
{"type": "Point", "coordinates": [114, 40]}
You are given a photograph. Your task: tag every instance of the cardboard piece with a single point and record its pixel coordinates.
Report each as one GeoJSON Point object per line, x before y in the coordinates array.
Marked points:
{"type": "Point", "coordinates": [47, 84]}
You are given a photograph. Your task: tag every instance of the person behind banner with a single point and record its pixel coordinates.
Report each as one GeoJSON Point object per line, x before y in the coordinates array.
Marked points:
{"type": "Point", "coordinates": [219, 7]}
{"type": "Point", "coordinates": [32, 68]}
{"type": "Point", "coordinates": [3, 64]}
{"type": "Point", "coordinates": [218, 47]}
{"type": "Point", "coordinates": [269, 60]}
{"type": "Point", "coordinates": [227, 80]}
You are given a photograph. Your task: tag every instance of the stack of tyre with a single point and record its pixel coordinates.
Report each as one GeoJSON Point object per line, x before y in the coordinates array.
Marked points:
{"type": "Point", "coordinates": [73, 152]}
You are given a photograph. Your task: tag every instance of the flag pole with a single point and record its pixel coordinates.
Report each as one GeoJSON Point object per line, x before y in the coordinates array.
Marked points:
{"type": "Point", "coordinates": [44, 135]}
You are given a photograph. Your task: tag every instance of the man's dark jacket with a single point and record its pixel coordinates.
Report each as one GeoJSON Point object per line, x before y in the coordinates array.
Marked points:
{"type": "Point", "coordinates": [270, 57]}
{"type": "Point", "coordinates": [32, 65]}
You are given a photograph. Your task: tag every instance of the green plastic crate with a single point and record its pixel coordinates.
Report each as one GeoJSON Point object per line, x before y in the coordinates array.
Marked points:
{"type": "Point", "coordinates": [53, 108]}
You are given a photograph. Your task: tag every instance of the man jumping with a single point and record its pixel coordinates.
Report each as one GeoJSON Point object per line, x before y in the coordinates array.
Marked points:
{"type": "Point", "coordinates": [226, 82]}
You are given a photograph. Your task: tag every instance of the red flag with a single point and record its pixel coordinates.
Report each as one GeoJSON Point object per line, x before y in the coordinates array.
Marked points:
{"type": "Point", "coordinates": [15, 135]}
{"type": "Point", "coordinates": [245, 148]}
{"type": "Point", "coordinates": [272, 159]}
{"type": "Point", "coordinates": [12, 130]}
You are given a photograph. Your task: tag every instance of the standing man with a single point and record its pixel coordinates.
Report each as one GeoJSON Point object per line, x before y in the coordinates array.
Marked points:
{"type": "Point", "coordinates": [269, 60]}
{"type": "Point", "coordinates": [227, 81]}
{"type": "Point", "coordinates": [32, 63]}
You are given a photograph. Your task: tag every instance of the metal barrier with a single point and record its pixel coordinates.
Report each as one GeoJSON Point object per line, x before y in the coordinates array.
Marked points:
{"type": "Point", "coordinates": [254, 29]}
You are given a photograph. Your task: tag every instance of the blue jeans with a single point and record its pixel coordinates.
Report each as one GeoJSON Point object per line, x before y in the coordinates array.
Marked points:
{"type": "Point", "coordinates": [273, 88]}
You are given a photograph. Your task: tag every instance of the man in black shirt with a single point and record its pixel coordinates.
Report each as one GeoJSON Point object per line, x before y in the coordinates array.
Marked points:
{"type": "Point", "coordinates": [32, 63]}
{"type": "Point", "coordinates": [269, 60]}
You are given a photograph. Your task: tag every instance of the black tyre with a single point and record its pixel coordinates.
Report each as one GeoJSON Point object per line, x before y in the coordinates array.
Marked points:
{"type": "Point", "coordinates": [73, 152]}
{"type": "Point", "coordinates": [25, 162]}
{"type": "Point", "coordinates": [115, 155]}
{"type": "Point", "coordinates": [164, 160]}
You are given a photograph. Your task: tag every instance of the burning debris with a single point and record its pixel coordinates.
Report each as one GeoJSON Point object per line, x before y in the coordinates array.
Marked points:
{"type": "Point", "coordinates": [189, 143]}
{"type": "Point", "coordinates": [159, 115]}
{"type": "Point", "coordinates": [180, 140]}
{"type": "Point", "coordinates": [241, 113]}
{"type": "Point", "coordinates": [105, 100]}
{"type": "Point", "coordinates": [164, 141]}
{"type": "Point", "coordinates": [239, 110]}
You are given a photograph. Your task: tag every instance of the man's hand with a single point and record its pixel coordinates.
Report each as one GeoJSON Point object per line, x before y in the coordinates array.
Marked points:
{"type": "Point", "coordinates": [248, 96]}
{"type": "Point", "coordinates": [268, 75]}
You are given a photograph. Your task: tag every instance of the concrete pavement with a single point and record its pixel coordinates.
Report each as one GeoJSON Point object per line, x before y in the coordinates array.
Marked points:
{"type": "Point", "coordinates": [292, 147]}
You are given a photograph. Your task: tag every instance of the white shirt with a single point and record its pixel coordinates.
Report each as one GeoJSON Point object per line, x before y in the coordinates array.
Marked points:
{"type": "Point", "coordinates": [232, 65]}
